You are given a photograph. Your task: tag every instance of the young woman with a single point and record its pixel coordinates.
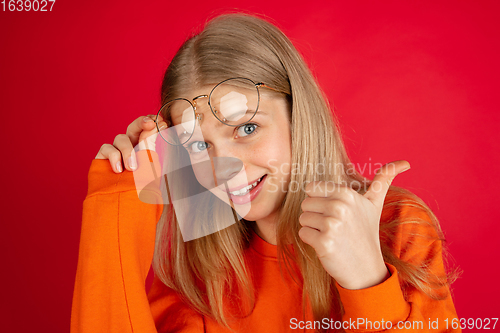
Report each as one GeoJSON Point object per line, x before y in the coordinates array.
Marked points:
{"type": "Point", "coordinates": [316, 247]}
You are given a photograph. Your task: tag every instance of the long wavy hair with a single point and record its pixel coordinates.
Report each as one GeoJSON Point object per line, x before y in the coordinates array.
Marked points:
{"type": "Point", "coordinates": [205, 269]}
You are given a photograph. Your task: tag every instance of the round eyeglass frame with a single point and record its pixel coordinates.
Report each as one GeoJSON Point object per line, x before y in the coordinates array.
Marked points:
{"type": "Point", "coordinates": [214, 112]}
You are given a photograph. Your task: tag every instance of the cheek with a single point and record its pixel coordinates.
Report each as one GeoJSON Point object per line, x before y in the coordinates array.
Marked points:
{"type": "Point", "coordinates": [275, 155]}
{"type": "Point", "coordinates": [281, 150]}
{"type": "Point", "coordinates": [271, 156]}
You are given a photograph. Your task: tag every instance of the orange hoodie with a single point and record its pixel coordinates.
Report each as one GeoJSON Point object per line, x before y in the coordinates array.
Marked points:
{"type": "Point", "coordinates": [116, 250]}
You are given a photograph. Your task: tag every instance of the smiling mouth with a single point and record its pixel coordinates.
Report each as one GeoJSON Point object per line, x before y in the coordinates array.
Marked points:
{"type": "Point", "coordinates": [245, 190]}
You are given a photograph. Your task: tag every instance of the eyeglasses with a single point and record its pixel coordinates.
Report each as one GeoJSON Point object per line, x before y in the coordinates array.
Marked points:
{"type": "Point", "coordinates": [234, 102]}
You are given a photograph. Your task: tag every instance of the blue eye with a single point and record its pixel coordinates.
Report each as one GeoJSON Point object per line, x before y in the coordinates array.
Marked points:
{"type": "Point", "coordinates": [197, 146]}
{"type": "Point", "coordinates": [242, 131]}
{"type": "Point", "coordinates": [247, 129]}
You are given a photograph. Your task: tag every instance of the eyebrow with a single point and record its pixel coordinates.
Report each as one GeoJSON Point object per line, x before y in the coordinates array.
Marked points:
{"type": "Point", "coordinates": [220, 123]}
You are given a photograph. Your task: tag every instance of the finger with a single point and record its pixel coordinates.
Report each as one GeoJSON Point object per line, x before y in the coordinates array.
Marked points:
{"type": "Point", "coordinates": [123, 144]}
{"type": "Point", "coordinates": [109, 152]}
{"type": "Point", "coordinates": [327, 189]}
{"type": "Point", "coordinates": [315, 204]}
{"type": "Point", "coordinates": [312, 220]}
{"type": "Point", "coordinates": [152, 134]}
{"type": "Point", "coordinates": [384, 176]}
{"type": "Point", "coordinates": [158, 119]}
{"type": "Point", "coordinates": [309, 236]}
{"type": "Point", "coordinates": [143, 123]}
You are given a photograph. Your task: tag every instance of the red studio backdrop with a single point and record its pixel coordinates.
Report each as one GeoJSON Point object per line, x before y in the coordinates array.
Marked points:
{"type": "Point", "coordinates": [413, 80]}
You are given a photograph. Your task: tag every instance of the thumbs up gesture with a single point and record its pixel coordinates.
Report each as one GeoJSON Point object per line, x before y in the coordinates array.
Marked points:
{"type": "Point", "coordinates": [343, 228]}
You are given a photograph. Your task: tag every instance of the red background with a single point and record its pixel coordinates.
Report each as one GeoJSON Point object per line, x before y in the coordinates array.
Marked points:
{"type": "Point", "coordinates": [414, 80]}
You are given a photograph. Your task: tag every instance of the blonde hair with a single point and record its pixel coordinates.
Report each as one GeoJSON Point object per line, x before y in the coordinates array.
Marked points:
{"type": "Point", "coordinates": [205, 269]}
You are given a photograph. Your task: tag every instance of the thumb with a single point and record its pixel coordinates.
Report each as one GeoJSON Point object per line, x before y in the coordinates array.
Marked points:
{"type": "Point", "coordinates": [384, 176]}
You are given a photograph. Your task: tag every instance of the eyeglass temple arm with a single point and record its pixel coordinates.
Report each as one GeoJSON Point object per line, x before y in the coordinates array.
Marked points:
{"type": "Point", "coordinates": [261, 84]}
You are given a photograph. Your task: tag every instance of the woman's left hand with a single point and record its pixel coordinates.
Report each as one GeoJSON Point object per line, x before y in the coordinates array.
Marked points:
{"type": "Point", "coordinates": [343, 227]}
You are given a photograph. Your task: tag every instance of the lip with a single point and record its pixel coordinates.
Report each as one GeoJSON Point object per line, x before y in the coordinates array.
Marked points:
{"type": "Point", "coordinates": [242, 186]}
{"type": "Point", "coordinates": [240, 200]}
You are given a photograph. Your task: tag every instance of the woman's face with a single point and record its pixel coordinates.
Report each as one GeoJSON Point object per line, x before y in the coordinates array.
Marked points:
{"type": "Point", "coordinates": [256, 154]}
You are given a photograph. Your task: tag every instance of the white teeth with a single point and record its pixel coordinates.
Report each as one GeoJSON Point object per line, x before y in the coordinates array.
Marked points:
{"type": "Point", "coordinates": [246, 189]}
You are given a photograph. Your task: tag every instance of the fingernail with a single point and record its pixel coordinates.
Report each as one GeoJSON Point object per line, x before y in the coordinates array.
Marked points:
{"type": "Point", "coordinates": [132, 163]}
{"type": "Point", "coordinates": [119, 166]}
{"type": "Point", "coordinates": [147, 119]}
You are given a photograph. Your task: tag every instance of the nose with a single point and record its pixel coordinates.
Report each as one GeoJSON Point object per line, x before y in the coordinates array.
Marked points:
{"type": "Point", "coordinates": [223, 165]}
{"type": "Point", "coordinates": [226, 168]}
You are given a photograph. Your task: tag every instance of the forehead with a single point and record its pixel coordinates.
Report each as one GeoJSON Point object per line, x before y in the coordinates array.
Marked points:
{"type": "Point", "coordinates": [225, 99]}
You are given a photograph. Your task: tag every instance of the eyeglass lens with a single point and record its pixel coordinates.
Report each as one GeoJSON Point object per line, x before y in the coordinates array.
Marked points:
{"type": "Point", "coordinates": [233, 102]}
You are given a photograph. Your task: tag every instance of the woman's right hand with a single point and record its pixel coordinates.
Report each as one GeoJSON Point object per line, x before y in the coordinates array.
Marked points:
{"type": "Point", "coordinates": [121, 152]}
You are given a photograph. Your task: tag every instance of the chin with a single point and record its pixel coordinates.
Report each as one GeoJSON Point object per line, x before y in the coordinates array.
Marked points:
{"type": "Point", "coordinates": [258, 212]}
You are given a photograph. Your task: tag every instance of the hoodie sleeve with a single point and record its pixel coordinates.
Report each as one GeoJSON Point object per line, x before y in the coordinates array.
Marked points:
{"type": "Point", "coordinates": [116, 249]}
